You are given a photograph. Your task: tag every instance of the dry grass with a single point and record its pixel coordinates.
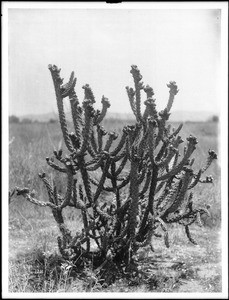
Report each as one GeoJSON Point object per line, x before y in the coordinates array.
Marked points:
{"type": "Point", "coordinates": [34, 262]}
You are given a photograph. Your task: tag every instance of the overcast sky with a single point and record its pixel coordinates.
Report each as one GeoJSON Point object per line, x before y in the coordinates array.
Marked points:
{"type": "Point", "coordinates": [100, 45]}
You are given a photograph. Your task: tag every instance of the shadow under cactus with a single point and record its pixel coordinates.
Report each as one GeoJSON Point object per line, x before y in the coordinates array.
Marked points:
{"type": "Point", "coordinates": [159, 180]}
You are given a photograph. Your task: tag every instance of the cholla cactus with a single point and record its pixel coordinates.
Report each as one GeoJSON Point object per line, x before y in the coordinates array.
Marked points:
{"type": "Point", "coordinates": [157, 185]}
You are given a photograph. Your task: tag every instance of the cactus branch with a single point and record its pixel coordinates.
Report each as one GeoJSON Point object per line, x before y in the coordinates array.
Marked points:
{"type": "Point", "coordinates": [57, 82]}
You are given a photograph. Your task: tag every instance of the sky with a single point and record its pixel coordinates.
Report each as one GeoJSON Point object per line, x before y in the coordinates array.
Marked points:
{"type": "Point", "coordinates": [100, 45]}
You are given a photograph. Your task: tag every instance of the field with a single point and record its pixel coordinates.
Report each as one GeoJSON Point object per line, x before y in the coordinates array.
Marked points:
{"type": "Point", "coordinates": [34, 263]}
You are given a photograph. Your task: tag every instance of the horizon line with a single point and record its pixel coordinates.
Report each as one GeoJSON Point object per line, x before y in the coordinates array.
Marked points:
{"type": "Point", "coordinates": [121, 113]}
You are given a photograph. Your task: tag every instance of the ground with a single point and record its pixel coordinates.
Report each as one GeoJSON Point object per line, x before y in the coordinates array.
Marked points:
{"type": "Point", "coordinates": [183, 267]}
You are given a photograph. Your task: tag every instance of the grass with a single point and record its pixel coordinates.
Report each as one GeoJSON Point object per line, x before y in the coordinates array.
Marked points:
{"type": "Point", "coordinates": [34, 261]}
{"type": "Point", "coordinates": [176, 269]}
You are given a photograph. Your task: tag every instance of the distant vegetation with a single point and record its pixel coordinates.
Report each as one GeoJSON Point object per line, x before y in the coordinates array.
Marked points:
{"type": "Point", "coordinates": [215, 119]}
{"type": "Point", "coordinates": [14, 119]}
{"type": "Point", "coordinates": [26, 121]}
{"type": "Point", "coordinates": [176, 116]}
{"type": "Point", "coordinates": [52, 121]}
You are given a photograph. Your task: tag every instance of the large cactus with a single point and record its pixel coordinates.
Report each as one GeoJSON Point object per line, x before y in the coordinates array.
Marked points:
{"type": "Point", "coordinates": [157, 187]}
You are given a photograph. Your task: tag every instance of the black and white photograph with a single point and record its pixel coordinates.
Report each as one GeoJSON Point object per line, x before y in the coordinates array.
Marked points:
{"type": "Point", "coordinates": [115, 150]}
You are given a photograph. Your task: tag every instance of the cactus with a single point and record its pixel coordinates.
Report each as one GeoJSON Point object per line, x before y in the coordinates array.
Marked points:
{"type": "Point", "coordinates": [156, 187]}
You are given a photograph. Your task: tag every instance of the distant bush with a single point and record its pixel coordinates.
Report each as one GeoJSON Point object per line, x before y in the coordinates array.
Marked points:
{"type": "Point", "coordinates": [215, 119]}
{"type": "Point", "coordinates": [52, 121]}
{"type": "Point", "coordinates": [26, 121]}
{"type": "Point", "coordinates": [13, 119]}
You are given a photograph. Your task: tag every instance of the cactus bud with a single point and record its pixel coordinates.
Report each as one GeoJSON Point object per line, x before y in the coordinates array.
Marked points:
{"type": "Point", "coordinates": [42, 175]}
{"type": "Point", "coordinates": [136, 73]}
{"type": "Point", "coordinates": [60, 153]}
{"type": "Point", "coordinates": [113, 135]}
{"type": "Point", "coordinates": [153, 122]}
{"type": "Point", "coordinates": [105, 102]}
{"type": "Point", "coordinates": [130, 91]}
{"type": "Point", "coordinates": [75, 140]}
{"type": "Point", "coordinates": [188, 170]}
{"type": "Point", "coordinates": [21, 191]}
{"type": "Point", "coordinates": [179, 140]}
{"type": "Point", "coordinates": [212, 154]}
{"type": "Point", "coordinates": [149, 91]}
{"type": "Point", "coordinates": [209, 179]}
{"type": "Point", "coordinates": [164, 114]}
{"type": "Point", "coordinates": [173, 87]}
{"type": "Point", "coordinates": [192, 139]}
{"type": "Point", "coordinates": [102, 130]}
{"type": "Point", "coordinates": [88, 93]}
